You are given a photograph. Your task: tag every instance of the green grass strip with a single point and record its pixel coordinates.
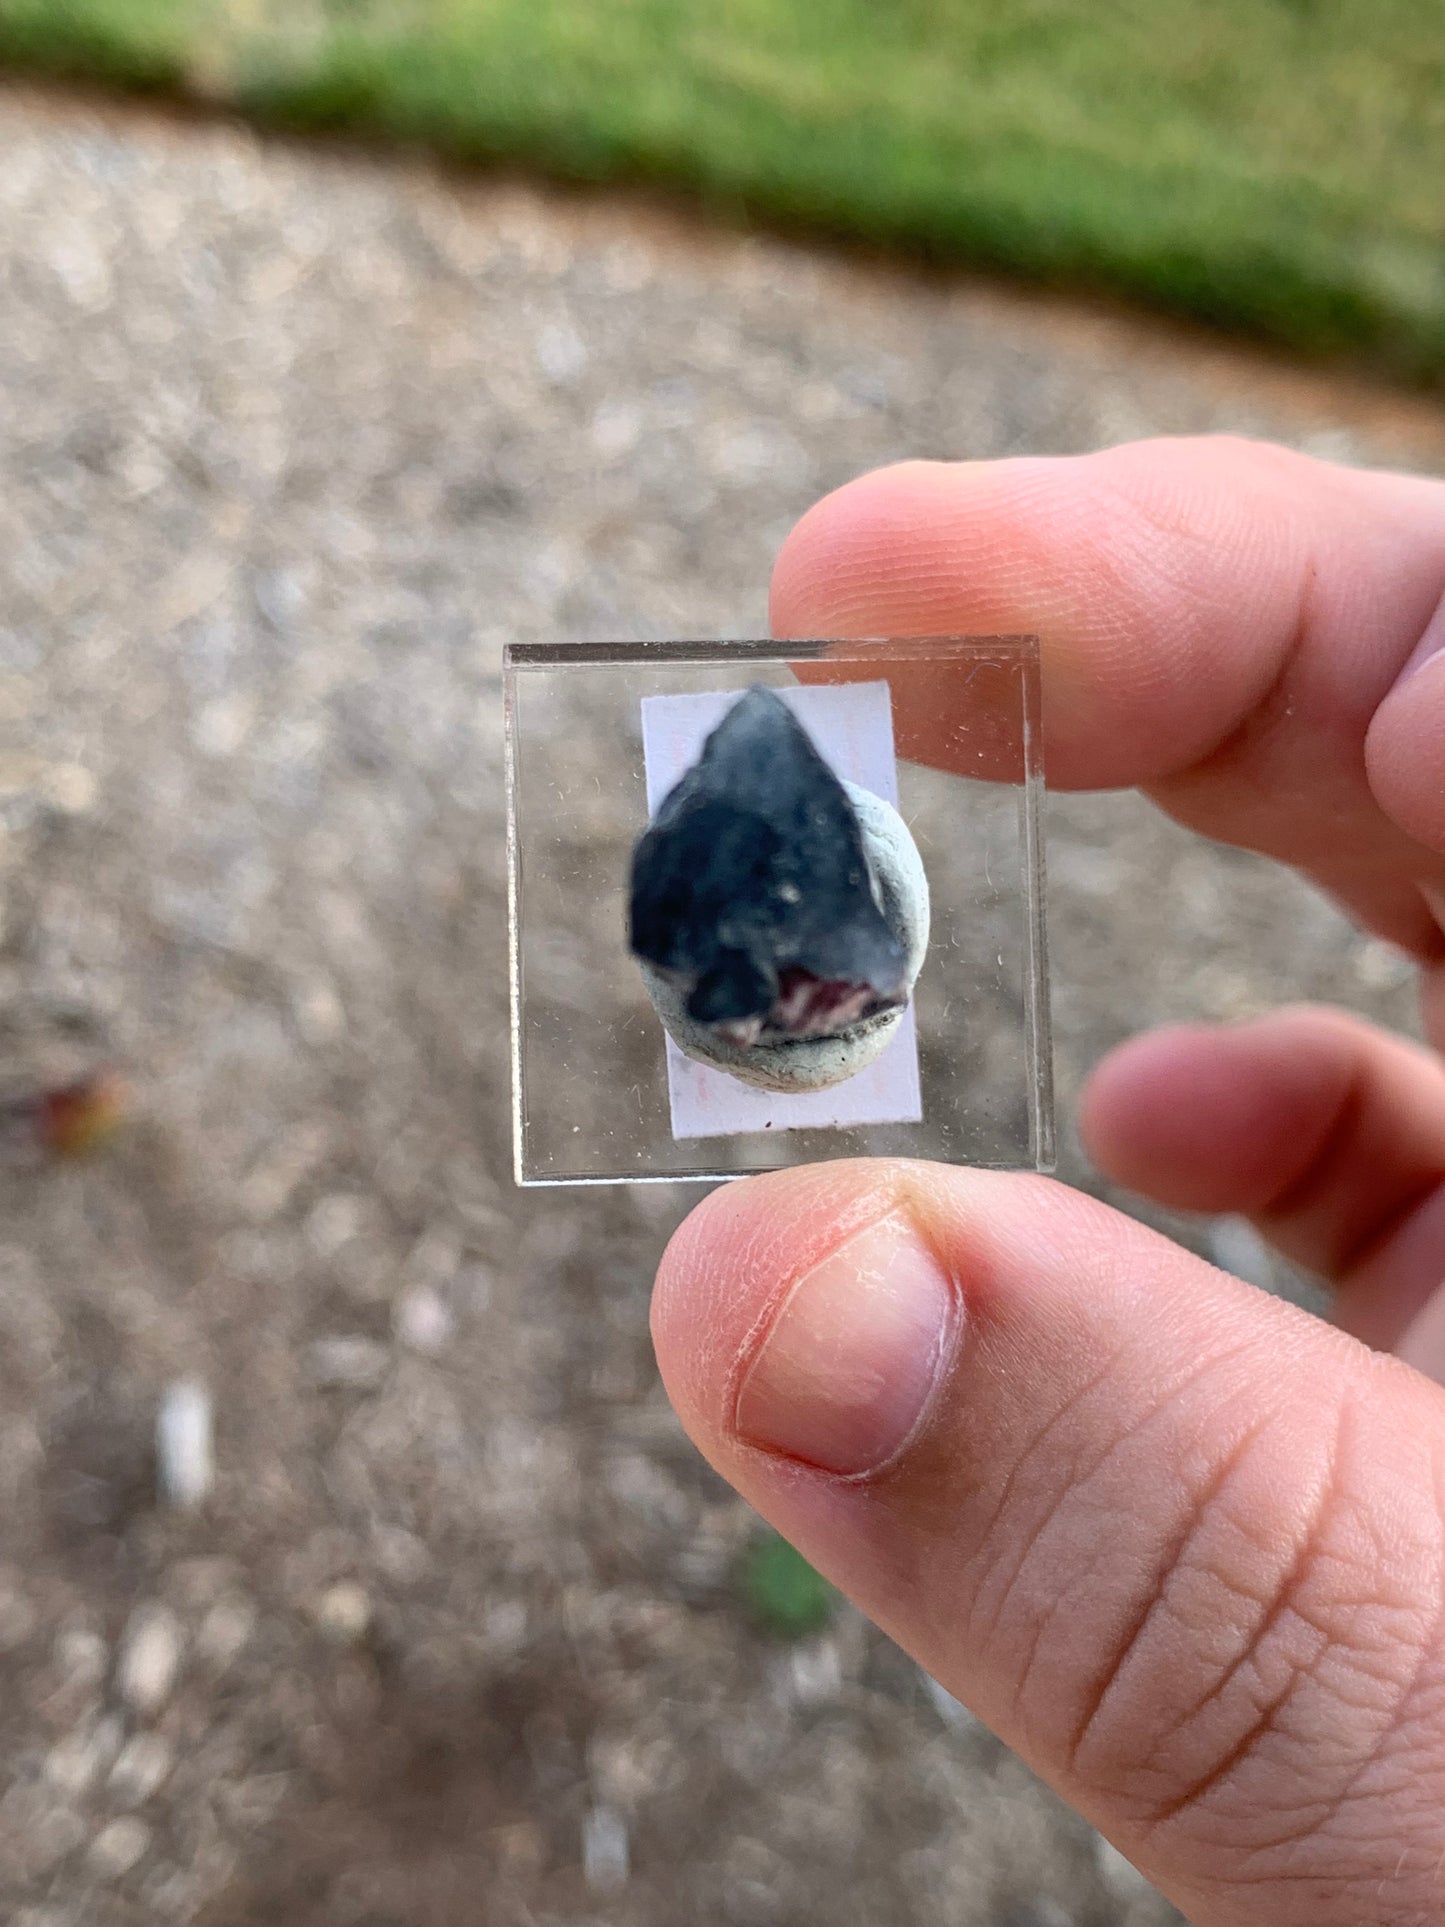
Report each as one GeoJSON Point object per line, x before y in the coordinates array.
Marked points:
{"type": "Point", "coordinates": [1274, 166]}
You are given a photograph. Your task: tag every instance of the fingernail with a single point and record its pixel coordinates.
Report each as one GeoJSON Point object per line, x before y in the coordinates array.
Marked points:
{"type": "Point", "coordinates": [850, 1366]}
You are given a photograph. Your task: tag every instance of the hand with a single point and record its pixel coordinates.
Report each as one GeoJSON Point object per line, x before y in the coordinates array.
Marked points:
{"type": "Point", "coordinates": [1180, 1545]}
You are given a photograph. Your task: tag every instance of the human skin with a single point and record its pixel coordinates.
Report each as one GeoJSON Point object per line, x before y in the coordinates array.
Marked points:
{"type": "Point", "coordinates": [1177, 1543]}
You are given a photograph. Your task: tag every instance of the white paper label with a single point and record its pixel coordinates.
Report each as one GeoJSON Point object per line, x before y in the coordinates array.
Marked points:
{"type": "Point", "coordinates": [852, 726]}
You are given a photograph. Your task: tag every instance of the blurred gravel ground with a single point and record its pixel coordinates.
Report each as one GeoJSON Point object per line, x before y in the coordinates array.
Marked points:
{"type": "Point", "coordinates": [291, 441]}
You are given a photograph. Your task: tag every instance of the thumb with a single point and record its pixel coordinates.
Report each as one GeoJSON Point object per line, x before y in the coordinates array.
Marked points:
{"type": "Point", "coordinates": [1178, 1544]}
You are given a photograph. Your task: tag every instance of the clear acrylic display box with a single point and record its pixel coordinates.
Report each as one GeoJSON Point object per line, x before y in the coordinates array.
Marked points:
{"type": "Point", "coordinates": [592, 1102]}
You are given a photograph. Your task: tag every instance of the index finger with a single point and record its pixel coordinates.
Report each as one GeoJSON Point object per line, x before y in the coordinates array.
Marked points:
{"type": "Point", "coordinates": [1221, 621]}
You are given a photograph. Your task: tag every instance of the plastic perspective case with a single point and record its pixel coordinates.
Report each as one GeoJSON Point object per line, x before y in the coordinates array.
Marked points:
{"type": "Point", "coordinates": [592, 1101]}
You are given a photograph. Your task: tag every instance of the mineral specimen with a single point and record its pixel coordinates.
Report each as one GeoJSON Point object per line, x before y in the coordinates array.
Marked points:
{"type": "Point", "coordinates": [779, 914]}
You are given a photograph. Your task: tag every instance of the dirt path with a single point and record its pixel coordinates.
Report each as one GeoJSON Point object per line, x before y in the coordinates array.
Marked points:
{"type": "Point", "coordinates": [290, 443]}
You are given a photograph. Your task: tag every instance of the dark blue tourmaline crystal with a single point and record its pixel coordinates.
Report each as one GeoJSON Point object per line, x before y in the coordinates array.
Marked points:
{"type": "Point", "coordinates": [751, 890]}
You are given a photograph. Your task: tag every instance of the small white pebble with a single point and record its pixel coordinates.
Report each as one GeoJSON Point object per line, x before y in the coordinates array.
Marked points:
{"type": "Point", "coordinates": [520, 1847]}
{"type": "Point", "coordinates": [334, 1221]}
{"type": "Point", "coordinates": [348, 1360]}
{"type": "Point", "coordinates": [1120, 1876]}
{"type": "Point", "coordinates": [71, 789]}
{"type": "Point", "coordinates": [185, 1458]}
{"type": "Point", "coordinates": [144, 1762]}
{"type": "Point", "coordinates": [222, 726]}
{"type": "Point", "coordinates": [81, 1657]}
{"type": "Point", "coordinates": [149, 1659]}
{"type": "Point", "coordinates": [616, 429]}
{"type": "Point", "coordinates": [343, 1612]}
{"type": "Point", "coordinates": [119, 1847]}
{"type": "Point", "coordinates": [561, 352]}
{"type": "Point", "coordinates": [424, 1321]}
{"type": "Point", "coordinates": [1236, 1247]}
{"type": "Point", "coordinates": [606, 1858]}
{"type": "Point", "coordinates": [225, 1630]}
{"type": "Point", "coordinates": [318, 1010]}
{"type": "Point", "coordinates": [816, 1667]}
{"type": "Point", "coordinates": [951, 1711]}
{"type": "Point", "coordinates": [1380, 966]}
